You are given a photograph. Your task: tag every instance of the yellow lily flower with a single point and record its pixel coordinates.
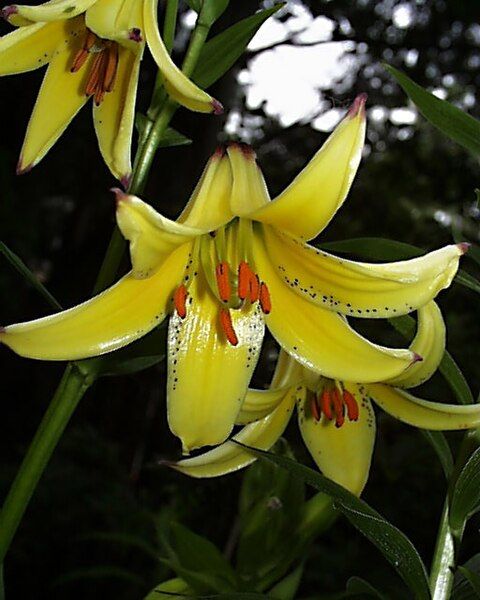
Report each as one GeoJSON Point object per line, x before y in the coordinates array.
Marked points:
{"type": "Point", "coordinates": [231, 263]}
{"type": "Point", "coordinates": [336, 418]}
{"type": "Point", "coordinates": [93, 49]}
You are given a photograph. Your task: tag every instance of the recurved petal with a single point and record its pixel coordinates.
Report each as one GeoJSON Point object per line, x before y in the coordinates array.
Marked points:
{"type": "Point", "coordinates": [115, 115]}
{"type": "Point", "coordinates": [429, 343]}
{"type": "Point", "coordinates": [321, 339]}
{"type": "Point", "coordinates": [207, 375]}
{"type": "Point", "coordinates": [258, 404]}
{"type": "Point", "coordinates": [209, 206]}
{"type": "Point", "coordinates": [178, 85]}
{"type": "Point", "coordinates": [249, 191]}
{"type": "Point", "coordinates": [343, 454]}
{"type": "Point", "coordinates": [422, 413]}
{"type": "Point", "coordinates": [230, 457]}
{"type": "Point", "coordinates": [361, 289]}
{"type": "Point", "coordinates": [152, 237]}
{"type": "Point", "coordinates": [54, 10]}
{"type": "Point", "coordinates": [308, 204]}
{"type": "Point", "coordinates": [111, 320]}
{"type": "Point", "coordinates": [117, 20]}
{"type": "Point", "coordinates": [30, 47]}
{"type": "Point", "coordinates": [61, 96]}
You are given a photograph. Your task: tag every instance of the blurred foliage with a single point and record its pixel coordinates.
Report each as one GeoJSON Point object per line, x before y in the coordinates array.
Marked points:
{"type": "Point", "coordinates": [92, 530]}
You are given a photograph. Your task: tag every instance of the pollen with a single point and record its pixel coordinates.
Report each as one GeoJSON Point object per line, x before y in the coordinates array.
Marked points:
{"type": "Point", "coordinates": [222, 273]}
{"type": "Point", "coordinates": [180, 301]}
{"type": "Point", "coordinates": [227, 326]}
{"type": "Point", "coordinates": [265, 301]}
{"type": "Point", "coordinates": [254, 287]}
{"type": "Point", "coordinates": [334, 403]}
{"type": "Point", "coordinates": [244, 275]}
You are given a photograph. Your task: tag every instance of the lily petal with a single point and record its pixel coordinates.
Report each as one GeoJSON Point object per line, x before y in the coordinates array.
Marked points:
{"type": "Point", "coordinates": [53, 10]}
{"type": "Point", "coordinates": [60, 89]}
{"type": "Point", "coordinates": [209, 206]}
{"type": "Point", "coordinates": [117, 20]}
{"type": "Point", "coordinates": [258, 404]}
{"type": "Point", "coordinates": [429, 342]}
{"type": "Point", "coordinates": [111, 320]}
{"type": "Point", "coordinates": [422, 413]}
{"type": "Point", "coordinates": [180, 88]}
{"type": "Point", "coordinates": [321, 339]}
{"type": "Point", "coordinates": [343, 454]}
{"type": "Point", "coordinates": [114, 117]}
{"type": "Point", "coordinates": [30, 47]}
{"type": "Point", "coordinates": [230, 457]}
{"type": "Point", "coordinates": [152, 237]}
{"type": "Point", "coordinates": [207, 376]}
{"type": "Point", "coordinates": [308, 204]}
{"type": "Point", "coordinates": [249, 190]}
{"type": "Point", "coordinates": [361, 289]}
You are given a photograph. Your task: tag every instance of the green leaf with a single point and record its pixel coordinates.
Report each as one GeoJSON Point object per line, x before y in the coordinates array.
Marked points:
{"type": "Point", "coordinates": [466, 579]}
{"type": "Point", "coordinates": [439, 443]}
{"type": "Point", "coordinates": [195, 5]}
{"type": "Point", "coordinates": [29, 277]}
{"type": "Point", "coordinates": [393, 544]}
{"type": "Point", "coordinates": [287, 588]}
{"type": "Point", "coordinates": [199, 562]}
{"type": "Point", "coordinates": [450, 120]}
{"type": "Point", "coordinates": [221, 52]}
{"type": "Point", "coordinates": [472, 578]}
{"type": "Point", "coordinates": [169, 590]}
{"type": "Point", "coordinates": [467, 280]}
{"type": "Point", "coordinates": [212, 10]}
{"type": "Point", "coordinates": [356, 586]}
{"type": "Point", "coordinates": [465, 498]}
{"type": "Point", "coordinates": [171, 137]}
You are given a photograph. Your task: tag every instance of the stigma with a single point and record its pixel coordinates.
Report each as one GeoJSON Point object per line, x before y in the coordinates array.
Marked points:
{"type": "Point", "coordinates": [336, 403]}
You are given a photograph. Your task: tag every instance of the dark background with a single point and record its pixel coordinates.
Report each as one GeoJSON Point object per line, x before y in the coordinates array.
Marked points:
{"type": "Point", "coordinates": [413, 186]}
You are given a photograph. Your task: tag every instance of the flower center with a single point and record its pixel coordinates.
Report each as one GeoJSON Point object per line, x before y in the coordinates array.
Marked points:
{"type": "Point", "coordinates": [334, 402]}
{"type": "Point", "coordinates": [225, 258]}
{"type": "Point", "coordinates": [103, 70]}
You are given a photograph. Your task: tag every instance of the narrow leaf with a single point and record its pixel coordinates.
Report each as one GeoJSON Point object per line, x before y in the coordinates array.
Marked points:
{"type": "Point", "coordinates": [472, 578]}
{"type": "Point", "coordinates": [358, 587]}
{"type": "Point", "coordinates": [465, 499]}
{"type": "Point", "coordinates": [212, 10]}
{"type": "Point", "coordinates": [393, 544]}
{"type": "Point", "coordinates": [287, 588]}
{"type": "Point", "coordinates": [450, 120]}
{"type": "Point", "coordinates": [221, 52]}
{"type": "Point", "coordinates": [439, 443]}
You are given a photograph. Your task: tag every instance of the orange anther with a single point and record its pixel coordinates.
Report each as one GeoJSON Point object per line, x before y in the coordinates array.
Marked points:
{"type": "Point", "coordinates": [338, 408]}
{"type": "Point", "coordinates": [90, 40]}
{"type": "Point", "coordinates": [79, 60]}
{"type": "Point", "coordinates": [227, 326]}
{"type": "Point", "coordinates": [222, 273]}
{"type": "Point", "coordinates": [265, 301]}
{"type": "Point", "coordinates": [326, 404]}
{"type": "Point", "coordinates": [244, 274]}
{"type": "Point", "coordinates": [95, 74]}
{"type": "Point", "coordinates": [111, 65]}
{"type": "Point", "coordinates": [180, 301]}
{"type": "Point", "coordinates": [254, 287]}
{"type": "Point", "coordinates": [315, 408]}
{"type": "Point", "coordinates": [351, 404]}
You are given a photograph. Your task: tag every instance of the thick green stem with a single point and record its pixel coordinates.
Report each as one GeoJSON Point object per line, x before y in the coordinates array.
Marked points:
{"type": "Point", "coordinates": [77, 378]}
{"type": "Point", "coordinates": [72, 387]}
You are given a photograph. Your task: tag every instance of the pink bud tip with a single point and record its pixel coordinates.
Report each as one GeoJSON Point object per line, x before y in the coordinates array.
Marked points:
{"type": "Point", "coordinates": [135, 34]}
{"type": "Point", "coordinates": [7, 11]}
{"type": "Point", "coordinates": [220, 151]}
{"type": "Point", "coordinates": [21, 170]}
{"type": "Point", "coordinates": [125, 181]}
{"type": "Point", "coordinates": [416, 358]}
{"type": "Point", "coordinates": [217, 108]}
{"type": "Point", "coordinates": [358, 106]}
{"type": "Point", "coordinates": [463, 247]}
{"type": "Point", "coordinates": [120, 195]}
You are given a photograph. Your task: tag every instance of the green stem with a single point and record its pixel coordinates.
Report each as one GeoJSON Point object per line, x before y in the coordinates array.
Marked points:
{"type": "Point", "coordinates": [72, 387]}
{"type": "Point", "coordinates": [77, 378]}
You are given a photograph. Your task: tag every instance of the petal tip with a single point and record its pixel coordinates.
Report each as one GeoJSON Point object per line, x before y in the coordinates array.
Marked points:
{"type": "Point", "coordinates": [217, 107]}
{"type": "Point", "coordinates": [416, 358]}
{"type": "Point", "coordinates": [120, 195]}
{"type": "Point", "coordinates": [135, 35]}
{"type": "Point", "coordinates": [245, 149]}
{"type": "Point", "coordinates": [126, 180]}
{"type": "Point", "coordinates": [463, 247]}
{"type": "Point", "coordinates": [21, 169]}
{"type": "Point", "coordinates": [358, 106]}
{"type": "Point", "coordinates": [8, 11]}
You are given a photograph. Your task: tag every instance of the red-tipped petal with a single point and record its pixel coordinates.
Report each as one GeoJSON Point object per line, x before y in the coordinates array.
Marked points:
{"type": "Point", "coordinates": [464, 247]}
{"type": "Point", "coordinates": [7, 11]}
{"type": "Point", "coordinates": [217, 107]}
{"type": "Point", "coordinates": [358, 106]}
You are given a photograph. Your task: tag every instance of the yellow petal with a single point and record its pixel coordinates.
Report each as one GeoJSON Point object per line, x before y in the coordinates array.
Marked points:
{"type": "Point", "coordinates": [429, 343]}
{"type": "Point", "coordinates": [114, 117]}
{"type": "Point", "coordinates": [209, 206]}
{"type": "Point", "coordinates": [249, 190]}
{"type": "Point", "coordinates": [343, 454]}
{"type": "Point", "coordinates": [117, 20]}
{"type": "Point", "coordinates": [180, 88]}
{"type": "Point", "coordinates": [111, 320]}
{"type": "Point", "coordinates": [49, 11]}
{"type": "Point", "coordinates": [207, 376]}
{"type": "Point", "coordinates": [61, 96]}
{"type": "Point", "coordinates": [230, 457]}
{"type": "Point", "coordinates": [422, 413]}
{"type": "Point", "coordinates": [152, 237]}
{"type": "Point", "coordinates": [361, 289]}
{"type": "Point", "coordinates": [308, 204]}
{"type": "Point", "coordinates": [321, 339]}
{"type": "Point", "coordinates": [258, 404]}
{"type": "Point", "coordinates": [30, 47]}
